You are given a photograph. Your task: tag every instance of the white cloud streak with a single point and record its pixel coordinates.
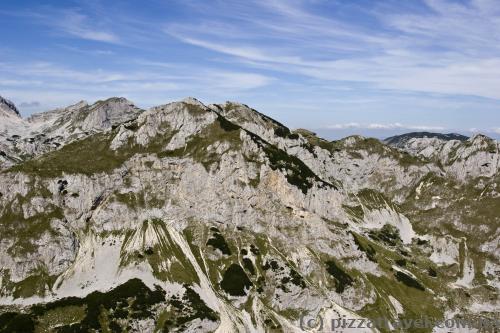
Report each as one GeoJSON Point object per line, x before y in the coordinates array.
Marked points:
{"type": "Point", "coordinates": [391, 126]}
{"type": "Point", "coordinates": [69, 22]}
{"type": "Point", "coordinates": [450, 49]}
{"type": "Point", "coordinates": [49, 82]}
{"type": "Point", "coordinates": [77, 25]}
{"type": "Point", "coordinates": [372, 67]}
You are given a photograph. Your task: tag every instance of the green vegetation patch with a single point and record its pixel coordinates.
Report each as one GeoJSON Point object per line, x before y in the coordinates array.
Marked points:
{"type": "Point", "coordinates": [365, 246]}
{"type": "Point", "coordinates": [86, 156]}
{"type": "Point", "coordinates": [193, 109]}
{"type": "Point", "coordinates": [294, 278]}
{"type": "Point", "coordinates": [235, 282]}
{"type": "Point", "coordinates": [284, 132]}
{"type": "Point", "coordinates": [89, 156]}
{"type": "Point", "coordinates": [271, 264]}
{"type": "Point", "coordinates": [388, 234]}
{"type": "Point", "coordinates": [63, 316]}
{"type": "Point", "coordinates": [226, 125]}
{"type": "Point", "coordinates": [297, 279]}
{"type": "Point", "coordinates": [432, 272]}
{"type": "Point", "coordinates": [342, 279]}
{"type": "Point", "coordinates": [217, 241]}
{"type": "Point", "coordinates": [408, 280]}
{"type": "Point", "coordinates": [186, 309]}
{"type": "Point", "coordinates": [13, 322]}
{"type": "Point", "coordinates": [295, 171]}
{"type": "Point", "coordinates": [314, 140]}
{"type": "Point", "coordinates": [401, 262]}
{"type": "Point", "coordinates": [34, 285]}
{"type": "Point", "coordinates": [416, 303]}
{"type": "Point", "coordinates": [372, 200]}
{"type": "Point", "coordinates": [247, 263]}
{"type": "Point", "coordinates": [138, 200]}
{"type": "Point", "coordinates": [354, 211]}
{"type": "Point", "coordinates": [26, 230]}
{"type": "Point", "coordinates": [97, 312]}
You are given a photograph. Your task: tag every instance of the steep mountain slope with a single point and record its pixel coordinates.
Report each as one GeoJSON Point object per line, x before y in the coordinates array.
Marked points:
{"type": "Point", "coordinates": [7, 108]}
{"type": "Point", "coordinates": [11, 124]}
{"type": "Point", "coordinates": [353, 163]}
{"type": "Point", "coordinates": [450, 194]}
{"type": "Point", "coordinates": [188, 217]}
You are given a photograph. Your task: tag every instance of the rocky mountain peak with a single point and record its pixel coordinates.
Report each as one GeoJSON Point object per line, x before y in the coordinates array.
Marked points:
{"type": "Point", "coordinates": [479, 138]}
{"type": "Point", "coordinates": [84, 117]}
{"type": "Point", "coordinates": [353, 139]}
{"type": "Point", "coordinates": [193, 101]}
{"type": "Point", "coordinates": [47, 131]}
{"type": "Point", "coordinates": [109, 113]}
{"type": "Point", "coordinates": [254, 121]}
{"type": "Point", "coordinates": [400, 141]}
{"type": "Point", "coordinates": [59, 113]}
{"type": "Point", "coordinates": [10, 120]}
{"type": "Point", "coordinates": [8, 108]}
{"type": "Point", "coordinates": [305, 132]}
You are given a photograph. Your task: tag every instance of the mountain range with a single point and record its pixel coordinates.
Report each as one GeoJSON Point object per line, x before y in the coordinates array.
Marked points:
{"type": "Point", "coordinates": [216, 218]}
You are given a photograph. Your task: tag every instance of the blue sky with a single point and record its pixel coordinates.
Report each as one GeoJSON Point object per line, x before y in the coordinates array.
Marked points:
{"type": "Point", "coordinates": [342, 67]}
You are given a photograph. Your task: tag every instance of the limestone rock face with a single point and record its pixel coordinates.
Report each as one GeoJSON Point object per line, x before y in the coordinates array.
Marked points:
{"type": "Point", "coordinates": [7, 108]}
{"type": "Point", "coordinates": [187, 217]}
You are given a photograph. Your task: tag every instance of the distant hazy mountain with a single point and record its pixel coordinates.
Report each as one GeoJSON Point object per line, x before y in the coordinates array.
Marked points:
{"type": "Point", "coordinates": [401, 140]}
{"type": "Point", "coordinates": [194, 218]}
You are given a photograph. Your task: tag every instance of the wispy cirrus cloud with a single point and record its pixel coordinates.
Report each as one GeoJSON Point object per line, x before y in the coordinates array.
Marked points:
{"type": "Point", "coordinates": [431, 51]}
{"type": "Point", "coordinates": [153, 83]}
{"type": "Point", "coordinates": [70, 22]}
{"type": "Point", "coordinates": [79, 25]}
{"type": "Point", "coordinates": [383, 65]}
{"type": "Point", "coordinates": [392, 126]}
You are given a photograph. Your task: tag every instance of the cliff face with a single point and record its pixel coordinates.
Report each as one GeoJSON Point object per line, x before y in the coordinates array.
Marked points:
{"type": "Point", "coordinates": [7, 108]}
{"type": "Point", "coordinates": [188, 217]}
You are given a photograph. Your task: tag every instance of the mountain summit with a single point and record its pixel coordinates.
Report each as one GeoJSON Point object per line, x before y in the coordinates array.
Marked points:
{"type": "Point", "coordinates": [8, 108]}
{"type": "Point", "coordinates": [401, 140]}
{"type": "Point", "coordinates": [216, 218]}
